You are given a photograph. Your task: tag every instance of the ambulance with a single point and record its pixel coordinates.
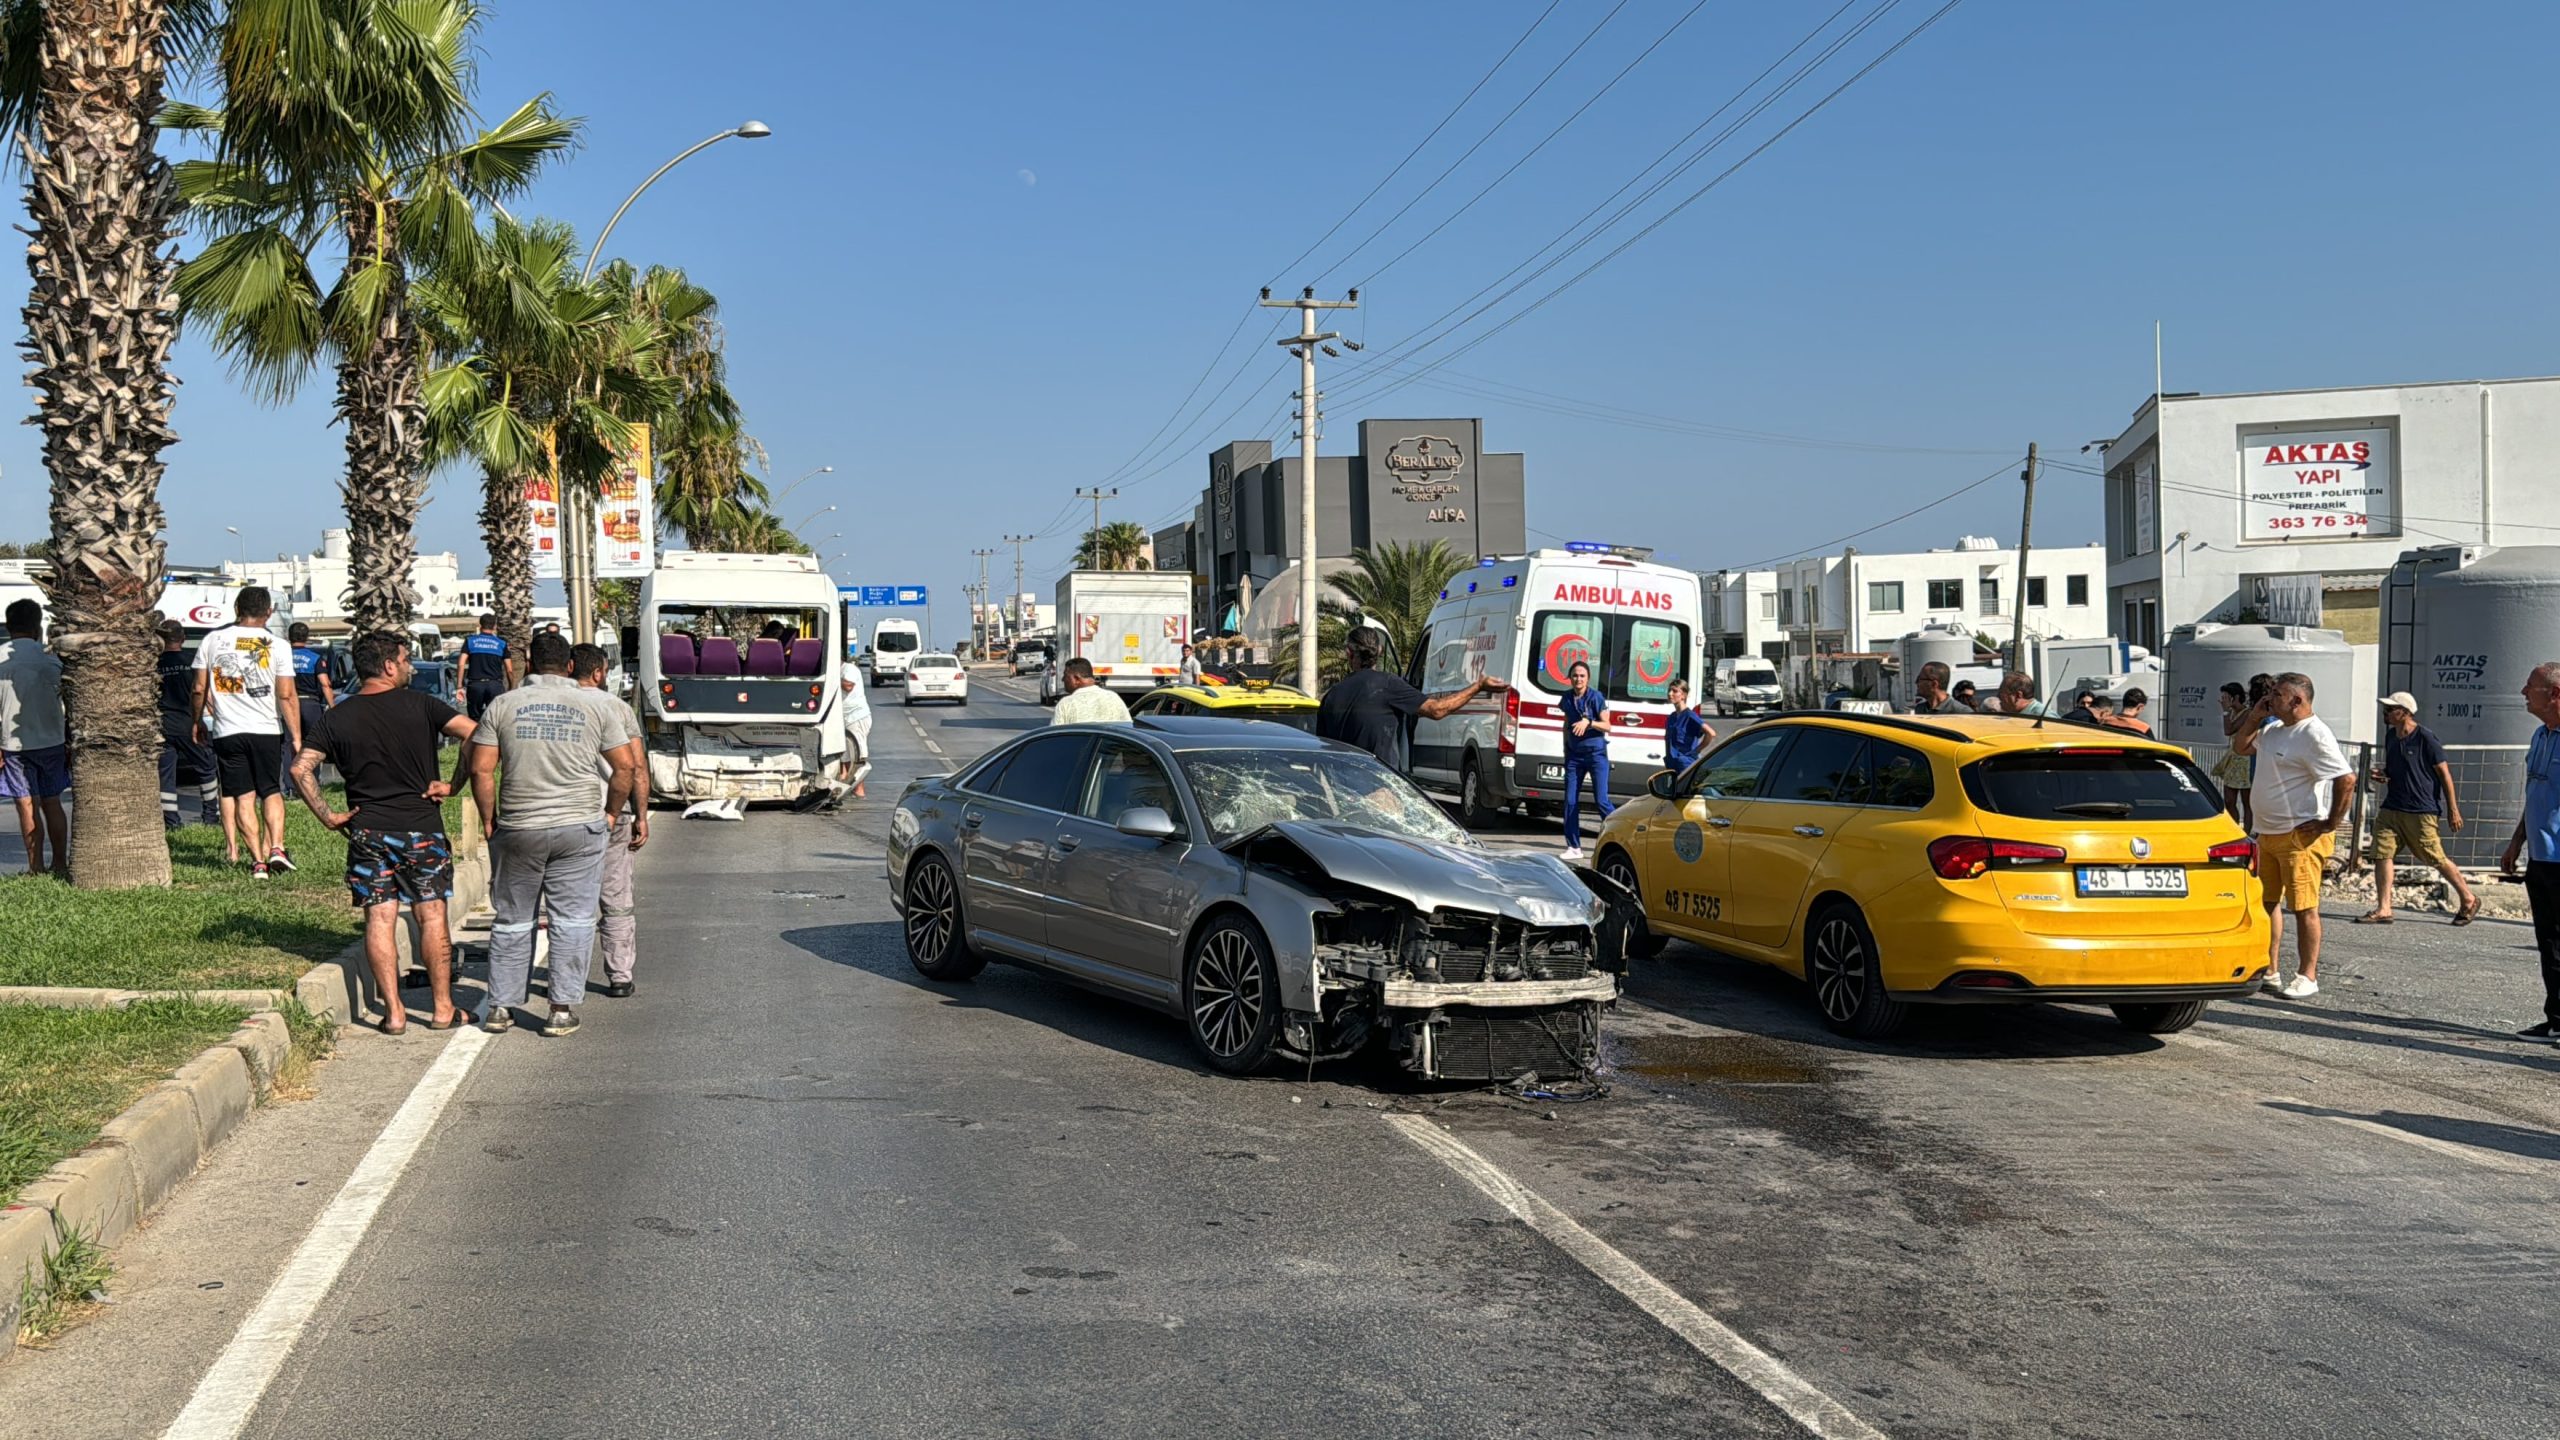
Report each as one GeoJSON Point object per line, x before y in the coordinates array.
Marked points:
{"type": "Point", "coordinates": [1527, 619]}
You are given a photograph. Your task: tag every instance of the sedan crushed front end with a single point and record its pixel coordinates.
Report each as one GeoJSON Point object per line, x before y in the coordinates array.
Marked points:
{"type": "Point", "coordinates": [1469, 964]}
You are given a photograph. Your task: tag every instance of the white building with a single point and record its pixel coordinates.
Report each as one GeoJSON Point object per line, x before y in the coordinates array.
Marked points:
{"type": "Point", "coordinates": [1742, 614]}
{"type": "Point", "coordinates": [1856, 603]}
{"type": "Point", "coordinates": [314, 587]}
{"type": "Point", "coordinates": [2288, 506]}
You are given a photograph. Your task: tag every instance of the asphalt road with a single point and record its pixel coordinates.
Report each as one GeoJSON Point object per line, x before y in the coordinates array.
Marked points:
{"type": "Point", "coordinates": [792, 1189]}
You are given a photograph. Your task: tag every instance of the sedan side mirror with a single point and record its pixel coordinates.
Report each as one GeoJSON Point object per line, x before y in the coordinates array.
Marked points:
{"type": "Point", "coordinates": [1148, 822]}
{"type": "Point", "coordinates": [1660, 785]}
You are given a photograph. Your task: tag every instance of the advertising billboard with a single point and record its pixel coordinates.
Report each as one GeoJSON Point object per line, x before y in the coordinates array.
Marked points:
{"type": "Point", "coordinates": [626, 513]}
{"type": "Point", "coordinates": [2318, 485]}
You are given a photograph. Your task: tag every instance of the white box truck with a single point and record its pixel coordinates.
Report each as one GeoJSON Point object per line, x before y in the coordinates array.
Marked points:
{"type": "Point", "coordinates": [1131, 624]}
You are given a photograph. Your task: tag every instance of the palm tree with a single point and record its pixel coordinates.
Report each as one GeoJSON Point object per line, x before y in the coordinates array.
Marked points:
{"type": "Point", "coordinates": [80, 87]}
{"type": "Point", "coordinates": [707, 488]}
{"type": "Point", "coordinates": [1116, 546]}
{"type": "Point", "coordinates": [1394, 586]}
{"type": "Point", "coordinates": [349, 125]}
{"type": "Point", "coordinates": [531, 365]}
{"type": "Point", "coordinates": [1334, 622]}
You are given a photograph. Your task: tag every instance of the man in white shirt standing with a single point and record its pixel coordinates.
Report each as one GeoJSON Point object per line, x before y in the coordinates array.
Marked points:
{"type": "Point", "coordinates": [1190, 666]}
{"type": "Point", "coordinates": [1088, 701]}
{"type": "Point", "coordinates": [244, 689]}
{"type": "Point", "coordinates": [857, 730]}
{"type": "Point", "coordinates": [2298, 798]}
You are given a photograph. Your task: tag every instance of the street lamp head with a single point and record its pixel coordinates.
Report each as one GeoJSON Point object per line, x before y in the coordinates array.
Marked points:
{"type": "Point", "coordinates": [752, 130]}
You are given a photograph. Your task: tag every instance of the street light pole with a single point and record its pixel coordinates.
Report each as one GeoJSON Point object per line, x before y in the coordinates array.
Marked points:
{"type": "Point", "coordinates": [1304, 344]}
{"type": "Point", "coordinates": [796, 484]}
{"type": "Point", "coordinates": [578, 551]}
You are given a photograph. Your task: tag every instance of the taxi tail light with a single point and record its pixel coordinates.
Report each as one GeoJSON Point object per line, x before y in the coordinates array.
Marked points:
{"type": "Point", "coordinates": [2234, 852]}
{"type": "Point", "coordinates": [1963, 857]}
{"type": "Point", "coordinates": [1506, 734]}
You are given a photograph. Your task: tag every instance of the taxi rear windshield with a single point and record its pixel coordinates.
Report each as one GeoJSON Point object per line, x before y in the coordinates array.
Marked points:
{"type": "Point", "coordinates": [2092, 784]}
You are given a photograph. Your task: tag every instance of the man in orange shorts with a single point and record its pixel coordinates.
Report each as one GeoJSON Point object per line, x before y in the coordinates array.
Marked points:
{"type": "Point", "coordinates": [2297, 799]}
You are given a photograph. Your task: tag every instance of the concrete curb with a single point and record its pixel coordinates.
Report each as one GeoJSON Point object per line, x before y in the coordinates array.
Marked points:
{"type": "Point", "coordinates": [144, 1154]}
{"type": "Point", "coordinates": [140, 1157]}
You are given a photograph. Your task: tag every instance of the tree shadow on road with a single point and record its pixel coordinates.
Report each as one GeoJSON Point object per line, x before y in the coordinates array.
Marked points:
{"type": "Point", "coordinates": [2398, 1032]}
{"type": "Point", "coordinates": [2521, 1140]}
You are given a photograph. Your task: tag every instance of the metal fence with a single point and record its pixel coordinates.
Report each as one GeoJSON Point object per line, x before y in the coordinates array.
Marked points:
{"type": "Point", "coordinates": [2488, 781]}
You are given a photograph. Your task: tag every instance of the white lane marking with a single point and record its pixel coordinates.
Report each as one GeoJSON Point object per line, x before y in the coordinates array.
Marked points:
{"type": "Point", "coordinates": [1791, 1393]}
{"type": "Point", "coordinates": [229, 1393]}
{"type": "Point", "coordinates": [929, 745]}
{"type": "Point", "coordinates": [2485, 1159]}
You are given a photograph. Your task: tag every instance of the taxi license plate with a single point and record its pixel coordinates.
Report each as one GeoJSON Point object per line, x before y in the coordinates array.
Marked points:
{"type": "Point", "coordinates": [2133, 880]}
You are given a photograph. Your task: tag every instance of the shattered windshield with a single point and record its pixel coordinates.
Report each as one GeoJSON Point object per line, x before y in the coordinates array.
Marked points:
{"type": "Point", "coordinates": [1241, 791]}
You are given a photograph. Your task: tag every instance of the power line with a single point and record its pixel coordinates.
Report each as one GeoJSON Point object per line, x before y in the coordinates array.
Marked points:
{"type": "Point", "coordinates": [1416, 199]}
{"type": "Point", "coordinates": [1674, 148]}
{"type": "Point", "coordinates": [1481, 81]}
{"type": "Point", "coordinates": [1825, 546]}
{"type": "Point", "coordinates": [1692, 198]}
{"type": "Point", "coordinates": [1532, 152]}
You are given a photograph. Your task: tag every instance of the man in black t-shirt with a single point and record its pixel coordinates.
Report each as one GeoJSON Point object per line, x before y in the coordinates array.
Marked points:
{"type": "Point", "coordinates": [178, 743]}
{"type": "Point", "coordinates": [383, 740]}
{"type": "Point", "coordinates": [1369, 709]}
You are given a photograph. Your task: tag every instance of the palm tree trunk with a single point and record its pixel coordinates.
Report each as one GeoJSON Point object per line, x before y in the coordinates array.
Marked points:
{"type": "Point", "coordinates": [506, 528]}
{"type": "Point", "coordinates": [99, 326]}
{"type": "Point", "coordinates": [379, 400]}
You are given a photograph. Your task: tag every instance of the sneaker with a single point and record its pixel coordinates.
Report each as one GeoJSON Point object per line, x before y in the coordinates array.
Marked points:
{"type": "Point", "coordinates": [500, 1020]}
{"type": "Point", "coordinates": [278, 860]}
{"type": "Point", "coordinates": [2544, 1031]}
{"type": "Point", "coordinates": [2301, 987]}
{"type": "Point", "coordinates": [1572, 852]}
{"type": "Point", "coordinates": [258, 871]}
{"type": "Point", "coordinates": [562, 1021]}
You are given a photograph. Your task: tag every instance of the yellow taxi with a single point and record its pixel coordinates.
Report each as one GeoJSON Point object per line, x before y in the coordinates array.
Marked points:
{"type": "Point", "coordinates": [1233, 700]}
{"type": "Point", "coordinates": [1890, 861]}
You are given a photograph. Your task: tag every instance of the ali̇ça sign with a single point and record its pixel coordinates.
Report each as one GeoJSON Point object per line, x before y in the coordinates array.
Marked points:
{"type": "Point", "coordinates": [2317, 485]}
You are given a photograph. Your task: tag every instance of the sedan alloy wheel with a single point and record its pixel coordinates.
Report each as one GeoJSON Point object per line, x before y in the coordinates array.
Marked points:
{"type": "Point", "coordinates": [1230, 996]}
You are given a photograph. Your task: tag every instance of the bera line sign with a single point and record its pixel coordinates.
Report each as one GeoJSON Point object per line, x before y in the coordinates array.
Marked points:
{"type": "Point", "coordinates": [2324, 485]}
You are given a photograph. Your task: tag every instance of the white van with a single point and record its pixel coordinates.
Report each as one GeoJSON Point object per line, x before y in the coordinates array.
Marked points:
{"type": "Point", "coordinates": [1745, 685]}
{"type": "Point", "coordinates": [894, 644]}
{"type": "Point", "coordinates": [1527, 619]}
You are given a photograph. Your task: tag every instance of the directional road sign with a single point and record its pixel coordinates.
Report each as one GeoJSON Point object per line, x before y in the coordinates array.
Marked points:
{"type": "Point", "coordinates": [882, 596]}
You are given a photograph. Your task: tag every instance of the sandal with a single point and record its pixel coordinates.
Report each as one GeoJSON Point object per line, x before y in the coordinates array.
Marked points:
{"type": "Point", "coordinates": [2373, 917]}
{"type": "Point", "coordinates": [2469, 913]}
{"type": "Point", "coordinates": [461, 1017]}
{"type": "Point", "coordinates": [385, 1027]}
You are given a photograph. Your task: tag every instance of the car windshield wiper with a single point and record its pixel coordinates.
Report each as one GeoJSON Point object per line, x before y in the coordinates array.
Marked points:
{"type": "Point", "coordinates": [2112, 809]}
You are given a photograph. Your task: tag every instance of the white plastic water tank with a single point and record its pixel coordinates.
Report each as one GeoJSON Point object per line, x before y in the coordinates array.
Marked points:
{"type": "Point", "coordinates": [2202, 658]}
{"type": "Point", "coordinates": [2463, 626]}
{"type": "Point", "coordinates": [1949, 645]}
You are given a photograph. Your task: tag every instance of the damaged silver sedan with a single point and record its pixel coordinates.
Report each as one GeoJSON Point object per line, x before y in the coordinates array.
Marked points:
{"type": "Point", "coordinates": [1285, 897]}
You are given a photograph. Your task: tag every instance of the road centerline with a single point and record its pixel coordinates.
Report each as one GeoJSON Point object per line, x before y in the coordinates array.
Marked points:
{"type": "Point", "coordinates": [1794, 1396]}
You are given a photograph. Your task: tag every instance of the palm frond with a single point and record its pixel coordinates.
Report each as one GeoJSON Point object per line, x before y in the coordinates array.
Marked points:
{"type": "Point", "coordinates": [503, 159]}
{"type": "Point", "coordinates": [254, 290]}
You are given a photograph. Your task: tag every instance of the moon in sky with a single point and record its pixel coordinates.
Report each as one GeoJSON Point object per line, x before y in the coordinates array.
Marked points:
{"type": "Point", "coordinates": [1026, 177]}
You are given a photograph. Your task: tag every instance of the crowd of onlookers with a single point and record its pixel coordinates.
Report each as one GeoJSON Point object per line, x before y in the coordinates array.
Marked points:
{"type": "Point", "coordinates": [552, 760]}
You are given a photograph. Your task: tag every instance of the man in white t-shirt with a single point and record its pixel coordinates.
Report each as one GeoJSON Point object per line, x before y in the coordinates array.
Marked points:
{"type": "Point", "coordinates": [857, 730]}
{"type": "Point", "coordinates": [244, 700]}
{"type": "Point", "coordinates": [2297, 800]}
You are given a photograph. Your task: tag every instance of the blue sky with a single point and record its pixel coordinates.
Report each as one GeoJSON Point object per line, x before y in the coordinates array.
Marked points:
{"type": "Point", "coordinates": [990, 247]}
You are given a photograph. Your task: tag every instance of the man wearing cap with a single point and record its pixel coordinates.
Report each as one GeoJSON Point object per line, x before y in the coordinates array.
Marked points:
{"type": "Point", "coordinates": [2417, 789]}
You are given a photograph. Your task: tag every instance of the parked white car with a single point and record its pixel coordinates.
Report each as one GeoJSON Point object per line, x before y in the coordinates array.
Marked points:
{"type": "Point", "coordinates": [1030, 658]}
{"type": "Point", "coordinates": [937, 677]}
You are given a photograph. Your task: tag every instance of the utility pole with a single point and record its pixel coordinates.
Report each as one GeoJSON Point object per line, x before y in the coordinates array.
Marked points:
{"type": "Point", "coordinates": [1303, 345]}
{"type": "Point", "coordinates": [1021, 622]}
{"type": "Point", "coordinates": [979, 610]}
{"type": "Point", "coordinates": [2026, 533]}
{"type": "Point", "coordinates": [1097, 495]}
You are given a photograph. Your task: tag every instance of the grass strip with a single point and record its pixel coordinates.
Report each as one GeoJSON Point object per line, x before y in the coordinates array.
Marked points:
{"type": "Point", "coordinates": [66, 1073]}
{"type": "Point", "coordinates": [214, 927]}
